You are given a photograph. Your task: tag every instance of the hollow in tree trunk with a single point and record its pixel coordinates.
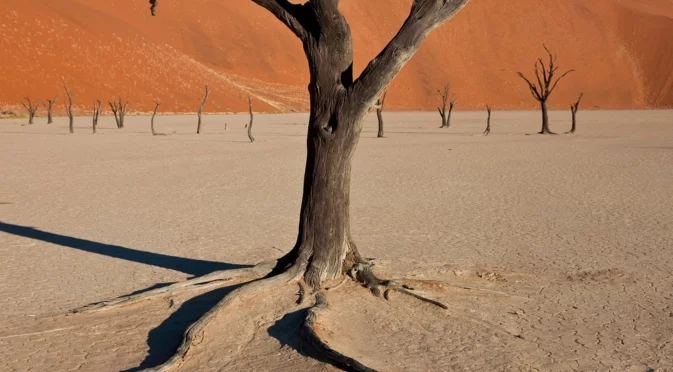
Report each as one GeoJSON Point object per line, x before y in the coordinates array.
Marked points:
{"type": "Point", "coordinates": [379, 113]}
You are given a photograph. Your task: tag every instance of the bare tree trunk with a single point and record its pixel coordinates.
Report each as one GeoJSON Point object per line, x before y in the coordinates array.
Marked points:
{"type": "Point", "coordinates": [119, 109]}
{"type": "Point", "coordinates": [68, 107]}
{"type": "Point", "coordinates": [379, 113]}
{"type": "Point", "coordinates": [97, 106]}
{"type": "Point", "coordinates": [252, 139]}
{"type": "Point", "coordinates": [488, 121]}
{"type": "Point", "coordinates": [31, 108]}
{"type": "Point", "coordinates": [200, 110]}
{"type": "Point", "coordinates": [444, 96]}
{"type": "Point", "coordinates": [156, 107]}
{"type": "Point", "coordinates": [573, 109]}
{"type": "Point", "coordinates": [50, 106]}
{"type": "Point", "coordinates": [545, 119]}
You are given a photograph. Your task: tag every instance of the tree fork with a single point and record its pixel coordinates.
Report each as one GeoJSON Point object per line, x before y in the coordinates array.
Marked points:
{"type": "Point", "coordinates": [50, 106]}
{"type": "Point", "coordinates": [573, 109]}
{"type": "Point", "coordinates": [32, 109]}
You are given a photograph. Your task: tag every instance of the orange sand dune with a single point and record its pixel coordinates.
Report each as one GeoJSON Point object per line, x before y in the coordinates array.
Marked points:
{"type": "Point", "coordinates": [623, 53]}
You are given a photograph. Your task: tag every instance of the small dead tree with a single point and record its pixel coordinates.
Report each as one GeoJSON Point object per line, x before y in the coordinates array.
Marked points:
{"type": "Point", "coordinates": [119, 109]}
{"type": "Point", "coordinates": [157, 103]}
{"type": "Point", "coordinates": [443, 112]}
{"type": "Point", "coordinates": [488, 121]}
{"type": "Point", "coordinates": [50, 106]}
{"type": "Point", "coordinates": [32, 109]}
{"type": "Point", "coordinates": [97, 107]}
{"type": "Point", "coordinates": [153, 6]}
{"type": "Point", "coordinates": [573, 109]}
{"type": "Point", "coordinates": [252, 139]}
{"type": "Point", "coordinates": [379, 112]}
{"type": "Point", "coordinates": [200, 110]}
{"type": "Point", "coordinates": [545, 85]}
{"type": "Point", "coordinates": [68, 107]}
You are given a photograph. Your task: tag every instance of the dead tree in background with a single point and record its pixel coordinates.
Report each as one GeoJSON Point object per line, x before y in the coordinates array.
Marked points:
{"type": "Point", "coordinates": [252, 139]}
{"type": "Point", "coordinates": [157, 103]}
{"type": "Point", "coordinates": [119, 109]}
{"type": "Point", "coordinates": [443, 112]}
{"type": "Point", "coordinates": [32, 109]}
{"type": "Point", "coordinates": [379, 113]}
{"type": "Point", "coordinates": [153, 6]}
{"type": "Point", "coordinates": [200, 110]}
{"type": "Point", "coordinates": [68, 107]}
{"type": "Point", "coordinates": [50, 106]}
{"type": "Point", "coordinates": [97, 107]}
{"type": "Point", "coordinates": [488, 121]}
{"type": "Point", "coordinates": [325, 251]}
{"type": "Point", "coordinates": [545, 86]}
{"type": "Point", "coordinates": [573, 109]}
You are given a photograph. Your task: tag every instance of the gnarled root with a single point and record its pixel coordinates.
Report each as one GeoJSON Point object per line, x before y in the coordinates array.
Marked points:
{"type": "Point", "coordinates": [309, 334]}
{"type": "Point", "coordinates": [210, 281]}
{"type": "Point", "coordinates": [362, 273]}
{"type": "Point", "coordinates": [194, 333]}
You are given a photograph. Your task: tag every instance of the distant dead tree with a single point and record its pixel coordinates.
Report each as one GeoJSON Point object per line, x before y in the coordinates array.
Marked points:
{"type": "Point", "coordinates": [488, 121]}
{"type": "Point", "coordinates": [200, 110]}
{"type": "Point", "coordinates": [50, 106]}
{"type": "Point", "coordinates": [119, 109]}
{"type": "Point", "coordinates": [545, 85]}
{"type": "Point", "coordinates": [97, 107]}
{"type": "Point", "coordinates": [31, 107]}
{"type": "Point", "coordinates": [153, 6]}
{"type": "Point", "coordinates": [443, 112]}
{"type": "Point", "coordinates": [573, 108]}
{"type": "Point", "coordinates": [379, 112]}
{"type": "Point", "coordinates": [252, 139]}
{"type": "Point", "coordinates": [157, 103]}
{"type": "Point", "coordinates": [68, 107]}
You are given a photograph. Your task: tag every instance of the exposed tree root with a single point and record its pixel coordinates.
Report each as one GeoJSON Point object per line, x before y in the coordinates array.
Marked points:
{"type": "Point", "coordinates": [309, 334]}
{"type": "Point", "coordinates": [362, 273]}
{"type": "Point", "coordinates": [212, 280]}
{"type": "Point", "coordinates": [194, 333]}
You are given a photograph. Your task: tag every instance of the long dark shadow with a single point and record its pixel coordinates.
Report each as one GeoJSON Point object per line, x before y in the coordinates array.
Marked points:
{"type": "Point", "coordinates": [186, 265]}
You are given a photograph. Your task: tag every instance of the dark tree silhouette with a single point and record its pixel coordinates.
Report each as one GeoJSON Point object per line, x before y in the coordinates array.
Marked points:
{"type": "Point", "coordinates": [97, 107]}
{"type": "Point", "coordinates": [443, 112]}
{"type": "Point", "coordinates": [379, 113]}
{"type": "Point", "coordinates": [119, 109]}
{"type": "Point", "coordinates": [157, 103]}
{"type": "Point", "coordinates": [250, 137]}
{"type": "Point", "coordinates": [573, 109]}
{"type": "Point", "coordinates": [488, 121]}
{"type": "Point", "coordinates": [32, 109]}
{"type": "Point", "coordinates": [200, 110]}
{"type": "Point", "coordinates": [545, 85]}
{"type": "Point", "coordinates": [325, 251]}
{"type": "Point", "coordinates": [68, 107]}
{"type": "Point", "coordinates": [50, 106]}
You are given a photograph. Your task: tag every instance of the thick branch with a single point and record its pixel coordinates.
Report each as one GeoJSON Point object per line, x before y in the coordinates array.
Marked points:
{"type": "Point", "coordinates": [425, 15]}
{"type": "Point", "coordinates": [288, 13]}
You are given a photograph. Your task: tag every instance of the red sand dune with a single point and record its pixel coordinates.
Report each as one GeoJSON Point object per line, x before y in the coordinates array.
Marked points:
{"type": "Point", "coordinates": [623, 53]}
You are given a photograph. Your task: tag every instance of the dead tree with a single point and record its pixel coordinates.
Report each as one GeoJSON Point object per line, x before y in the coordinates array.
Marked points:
{"type": "Point", "coordinates": [545, 85]}
{"type": "Point", "coordinates": [50, 106]}
{"type": "Point", "coordinates": [488, 121]}
{"type": "Point", "coordinates": [32, 109]}
{"type": "Point", "coordinates": [379, 113]}
{"type": "Point", "coordinates": [157, 103]}
{"type": "Point", "coordinates": [325, 251]}
{"type": "Point", "coordinates": [97, 107]}
{"type": "Point", "coordinates": [573, 109]}
{"type": "Point", "coordinates": [119, 109]}
{"type": "Point", "coordinates": [68, 107]}
{"type": "Point", "coordinates": [443, 112]}
{"type": "Point", "coordinates": [252, 139]}
{"type": "Point", "coordinates": [200, 110]}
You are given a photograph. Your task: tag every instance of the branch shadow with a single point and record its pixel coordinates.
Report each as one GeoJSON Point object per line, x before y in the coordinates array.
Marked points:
{"type": "Point", "coordinates": [186, 265]}
{"type": "Point", "coordinates": [165, 339]}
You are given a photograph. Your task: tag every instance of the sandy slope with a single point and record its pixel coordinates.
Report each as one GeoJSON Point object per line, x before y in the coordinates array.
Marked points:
{"type": "Point", "coordinates": [620, 49]}
{"type": "Point", "coordinates": [556, 249]}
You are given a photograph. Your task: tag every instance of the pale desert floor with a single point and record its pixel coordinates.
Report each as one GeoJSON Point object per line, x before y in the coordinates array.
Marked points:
{"type": "Point", "coordinates": [553, 253]}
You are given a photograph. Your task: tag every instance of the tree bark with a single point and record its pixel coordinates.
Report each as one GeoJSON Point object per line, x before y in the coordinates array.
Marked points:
{"type": "Point", "coordinates": [50, 106]}
{"type": "Point", "coordinates": [488, 122]}
{"type": "Point", "coordinates": [200, 110]}
{"type": "Point", "coordinates": [379, 114]}
{"type": "Point", "coordinates": [250, 137]}
{"type": "Point", "coordinates": [545, 119]}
